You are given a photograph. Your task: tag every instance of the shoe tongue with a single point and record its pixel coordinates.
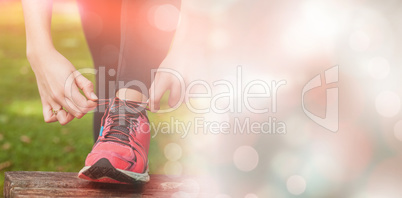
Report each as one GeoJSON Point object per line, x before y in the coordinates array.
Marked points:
{"type": "Point", "coordinates": [121, 108]}
{"type": "Point", "coordinates": [118, 106]}
{"type": "Point", "coordinates": [120, 136]}
{"type": "Point", "coordinates": [124, 108]}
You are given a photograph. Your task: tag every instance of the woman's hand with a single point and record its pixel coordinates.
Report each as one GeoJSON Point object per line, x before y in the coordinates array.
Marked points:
{"type": "Point", "coordinates": [170, 76]}
{"type": "Point", "coordinates": [58, 81]}
{"type": "Point", "coordinates": [59, 84]}
{"type": "Point", "coordinates": [177, 71]}
{"type": "Point", "coordinates": [186, 59]}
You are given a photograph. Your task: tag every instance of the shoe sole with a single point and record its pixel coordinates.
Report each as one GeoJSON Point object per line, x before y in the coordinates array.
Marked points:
{"type": "Point", "coordinates": [103, 171]}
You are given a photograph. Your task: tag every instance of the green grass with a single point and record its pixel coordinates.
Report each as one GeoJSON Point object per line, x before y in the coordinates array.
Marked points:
{"type": "Point", "coordinates": [27, 143]}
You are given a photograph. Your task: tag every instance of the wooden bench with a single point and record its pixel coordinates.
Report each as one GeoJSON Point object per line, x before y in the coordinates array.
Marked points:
{"type": "Point", "coordinates": [57, 184]}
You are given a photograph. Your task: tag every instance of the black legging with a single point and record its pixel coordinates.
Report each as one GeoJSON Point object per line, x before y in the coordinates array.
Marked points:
{"type": "Point", "coordinates": [125, 47]}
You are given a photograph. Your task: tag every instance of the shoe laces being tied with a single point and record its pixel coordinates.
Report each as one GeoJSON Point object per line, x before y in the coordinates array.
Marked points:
{"type": "Point", "coordinates": [124, 115]}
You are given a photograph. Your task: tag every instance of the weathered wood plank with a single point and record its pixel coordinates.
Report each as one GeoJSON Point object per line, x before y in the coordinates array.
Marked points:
{"type": "Point", "coordinates": [57, 184]}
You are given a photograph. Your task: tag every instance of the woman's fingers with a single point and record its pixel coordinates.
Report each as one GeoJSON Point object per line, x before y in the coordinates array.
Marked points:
{"type": "Point", "coordinates": [176, 96]}
{"type": "Point", "coordinates": [86, 86]}
{"type": "Point", "coordinates": [74, 102]}
{"type": "Point", "coordinates": [47, 109]}
{"type": "Point", "coordinates": [55, 112]}
{"type": "Point", "coordinates": [64, 117]}
{"type": "Point", "coordinates": [158, 88]}
{"type": "Point", "coordinates": [48, 114]}
{"type": "Point", "coordinates": [80, 102]}
{"type": "Point", "coordinates": [77, 104]}
{"type": "Point", "coordinates": [71, 107]}
{"type": "Point", "coordinates": [166, 79]}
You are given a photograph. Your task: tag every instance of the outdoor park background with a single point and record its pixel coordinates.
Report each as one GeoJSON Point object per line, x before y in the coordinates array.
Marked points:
{"type": "Point", "coordinates": [272, 40]}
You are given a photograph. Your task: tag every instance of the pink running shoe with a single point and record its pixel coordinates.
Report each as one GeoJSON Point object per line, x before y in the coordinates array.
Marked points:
{"type": "Point", "coordinates": [120, 155]}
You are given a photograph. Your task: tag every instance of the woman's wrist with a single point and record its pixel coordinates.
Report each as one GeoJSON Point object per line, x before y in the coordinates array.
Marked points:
{"type": "Point", "coordinates": [33, 52]}
{"type": "Point", "coordinates": [38, 56]}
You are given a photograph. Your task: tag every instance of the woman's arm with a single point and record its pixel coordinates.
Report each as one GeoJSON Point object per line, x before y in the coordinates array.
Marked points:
{"type": "Point", "coordinates": [52, 70]}
{"type": "Point", "coordinates": [38, 17]}
{"type": "Point", "coordinates": [186, 56]}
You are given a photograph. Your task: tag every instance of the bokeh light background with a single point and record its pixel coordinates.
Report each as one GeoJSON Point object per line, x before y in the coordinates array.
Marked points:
{"type": "Point", "coordinates": [292, 41]}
